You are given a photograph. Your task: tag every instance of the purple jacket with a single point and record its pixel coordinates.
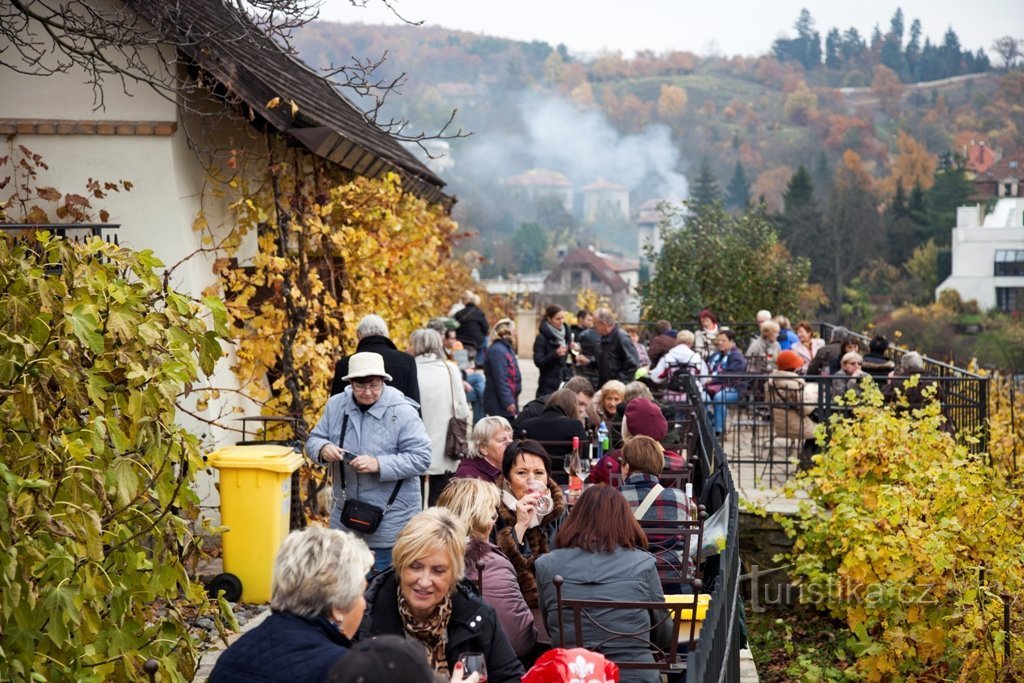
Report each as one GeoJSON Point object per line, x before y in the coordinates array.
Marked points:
{"type": "Point", "coordinates": [501, 591]}
{"type": "Point", "coordinates": [477, 468]}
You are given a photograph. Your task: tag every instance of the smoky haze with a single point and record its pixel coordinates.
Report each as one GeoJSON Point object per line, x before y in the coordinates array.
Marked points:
{"type": "Point", "coordinates": [581, 143]}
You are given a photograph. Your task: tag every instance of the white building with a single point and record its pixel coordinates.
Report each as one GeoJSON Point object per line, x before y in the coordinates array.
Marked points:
{"type": "Point", "coordinates": [988, 256]}
{"type": "Point", "coordinates": [603, 198]}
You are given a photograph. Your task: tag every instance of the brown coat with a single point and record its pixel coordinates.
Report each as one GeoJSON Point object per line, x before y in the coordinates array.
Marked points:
{"type": "Point", "coordinates": [538, 541]}
{"type": "Point", "coordinates": [792, 399]}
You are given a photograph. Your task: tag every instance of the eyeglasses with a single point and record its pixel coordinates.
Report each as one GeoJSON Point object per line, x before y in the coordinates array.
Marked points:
{"type": "Point", "coordinates": [369, 385]}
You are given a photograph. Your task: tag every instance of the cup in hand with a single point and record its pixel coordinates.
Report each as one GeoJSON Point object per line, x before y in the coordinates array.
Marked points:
{"type": "Point", "coordinates": [474, 663]}
{"type": "Point", "coordinates": [544, 504]}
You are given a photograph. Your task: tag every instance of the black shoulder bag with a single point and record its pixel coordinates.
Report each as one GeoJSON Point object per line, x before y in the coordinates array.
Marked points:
{"type": "Point", "coordinates": [355, 514]}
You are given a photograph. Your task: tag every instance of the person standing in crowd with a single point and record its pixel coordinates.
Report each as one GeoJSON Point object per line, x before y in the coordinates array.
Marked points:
{"type": "Point", "coordinates": [372, 333]}
{"type": "Point", "coordinates": [504, 381]}
{"type": "Point", "coordinates": [486, 449]}
{"type": "Point", "coordinates": [374, 441]}
{"type": "Point", "coordinates": [722, 389]}
{"type": "Point", "coordinates": [443, 399]}
{"type": "Point", "coordinates": [876, 363]}
{"type": "Point", "coordinates": [808, 345]}
{"type": "Point", "coordinates": [706, 336]}
{"type": "Point", "coordinates": [425, 597]}
{"type": "Point", "coordinates": [662, 342]}
{"type": "Point", "coordinates": [473, 327]}
{"type": "Point", "coordinates": [316, 605]}
{"type": "Point", "coordinates": [475, 503]}
{"type": "Point", "coordinates": [617, 357]}
{"type": "Point", "coordinates": [552, 351]}
{"type": "Point", "coordinates": [590, 345]}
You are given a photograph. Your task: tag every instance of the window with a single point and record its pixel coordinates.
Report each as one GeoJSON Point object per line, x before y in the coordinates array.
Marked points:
{"type": "Point", "coordinates": [594, 278]}
{"type": "Point", "coordinates": [576, 279]}
{"type": "Point", "coordinates": [1009, 262]}
{"type": "Point", "coordinates": [1010, 299]}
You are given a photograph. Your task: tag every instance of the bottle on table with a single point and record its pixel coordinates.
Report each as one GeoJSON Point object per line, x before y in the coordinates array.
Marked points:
{"type": "Point", "coordinates": [574, 468]}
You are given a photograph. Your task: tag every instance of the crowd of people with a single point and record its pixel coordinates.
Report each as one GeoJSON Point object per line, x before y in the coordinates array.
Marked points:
{"type": "Point", "coordinates": [433, 557]}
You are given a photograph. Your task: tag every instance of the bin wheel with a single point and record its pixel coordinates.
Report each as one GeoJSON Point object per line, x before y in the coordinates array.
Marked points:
{"type": "Point", "coordinates": [229, 583]}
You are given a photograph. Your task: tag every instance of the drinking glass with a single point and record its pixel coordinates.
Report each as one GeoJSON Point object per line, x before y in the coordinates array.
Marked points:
{"type": "Point", "coordinates": [474, 663]}
{"type": "Point", "coordinates": [545, 504]}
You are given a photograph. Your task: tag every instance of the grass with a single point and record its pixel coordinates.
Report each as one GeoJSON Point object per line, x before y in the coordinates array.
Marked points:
{"type": "Point", "coordinates": [796, 643]}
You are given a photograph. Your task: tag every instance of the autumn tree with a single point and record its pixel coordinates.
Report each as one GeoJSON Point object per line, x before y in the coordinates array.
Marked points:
{"type": "Point", "coordinates": [800, 104]}
{"type": "Point", "coordinates": [886, 86]}
{"type": "Point", "coordinates": [671, 104]}
{"type": "Point", "coordinates": [731, 264]}
{"type": "Point", "coordinates": [912, 166]}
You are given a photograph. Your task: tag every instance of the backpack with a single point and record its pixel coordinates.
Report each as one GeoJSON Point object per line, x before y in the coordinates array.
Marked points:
{"type": "Point", "coordinates": [677, 381]}
{"type": "Point", "coordinates": [714, 491]}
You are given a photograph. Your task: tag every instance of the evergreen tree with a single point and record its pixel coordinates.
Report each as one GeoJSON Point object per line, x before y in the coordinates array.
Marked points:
{"type": "Point", "coordinates": [800, 220]}
{"type": "Point", "coordinates": [705, 189]}
{"type": "Point", "coordinates": [833, 49]}
{"type": "Point", "coordinates": [822, 178]}
{"type": "Point", "coordinates": [952, 189]}
{"type": "Point", "coordinates": [805, 48]}
{"type": "Point", "coordinates": [913, 52]}
{"type": "Point", "coordinates": [896, 26]}
{"type": "Point", "coordinates": [902, 231]}
{"type": "Point", "coordinates": [738, 192]}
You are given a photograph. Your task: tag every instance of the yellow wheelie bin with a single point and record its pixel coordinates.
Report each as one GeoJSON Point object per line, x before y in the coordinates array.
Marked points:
{"type": "Point", "coordinates": [255, 506]}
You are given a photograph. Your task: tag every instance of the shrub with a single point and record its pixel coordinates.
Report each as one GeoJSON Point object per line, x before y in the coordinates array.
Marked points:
{"type": "Point", "coordinates": [95, 476]}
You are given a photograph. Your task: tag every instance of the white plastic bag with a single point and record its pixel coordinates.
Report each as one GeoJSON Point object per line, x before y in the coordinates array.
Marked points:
{"type": "Point", "coordinates": [716, 529]}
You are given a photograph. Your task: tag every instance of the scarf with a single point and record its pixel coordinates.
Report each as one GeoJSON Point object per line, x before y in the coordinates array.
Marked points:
{"type": "Point", "coordinates": [432, 632]}
{"type": "Point", "coordinates": [552, 331]}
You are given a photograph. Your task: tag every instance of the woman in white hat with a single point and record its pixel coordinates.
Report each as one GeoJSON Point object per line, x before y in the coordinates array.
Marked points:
{"type": "Point", "coordinates": [374, 442]}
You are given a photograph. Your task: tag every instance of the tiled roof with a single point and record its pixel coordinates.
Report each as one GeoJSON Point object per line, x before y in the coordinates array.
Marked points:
{"type": "Point", "coordinates": [1010, 166]}
{"type": "Point", "coordinates": [224, 43]}
{"type": "Point", "coordinates": [587, 258]}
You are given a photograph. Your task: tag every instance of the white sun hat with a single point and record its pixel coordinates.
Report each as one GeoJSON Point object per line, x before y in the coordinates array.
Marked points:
{"type": "Point", "coordinates": [366, 364]}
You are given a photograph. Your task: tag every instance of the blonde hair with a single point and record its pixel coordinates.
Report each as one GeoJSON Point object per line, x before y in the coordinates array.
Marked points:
{"type": "Point", "coordinates": [474, 501]}
{"type": "Point", "coordinates": [614, 386]}
{"type": "Point", "coordinates": [427, 532]}
{"type": "Point", "coordinates": [318, 569]}
{"type": "Point", "coordinates": [685, 337]}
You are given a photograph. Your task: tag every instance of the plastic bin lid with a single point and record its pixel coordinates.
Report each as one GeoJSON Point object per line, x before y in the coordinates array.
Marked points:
{"type": "Point", "coordinates": [270, 457]}
{"type": "Point", "coordinates": [687, 599]}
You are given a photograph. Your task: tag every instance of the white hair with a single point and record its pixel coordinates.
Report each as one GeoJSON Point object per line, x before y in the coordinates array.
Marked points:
{"type": "Point", "coordinates": [763, 315]}
{"type": "Point", "coordinates": [425, 341]}
{"type": "Point", "coordinates": [370, 326]}
{"type": "Point", "coordinates": [317, 570]}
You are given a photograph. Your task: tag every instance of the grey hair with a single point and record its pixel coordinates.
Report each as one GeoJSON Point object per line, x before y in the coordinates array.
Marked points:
{"type": "Point", "coordinates": [770, 326]}
{"type": "Point", "coordinates": [319, 569]}
{"type": "Point", "coordinates": [604, 316]}
{"type": "Point", "coordinates": [839, 335]}
{"type": "Point", "coordinates": [372, 325]}
{"type": "Point", "coordinates": [852, 355]}
{"type": "Point", "coordinates": [767, 315]}
{"type": "Point", "coordinates": [912, 361]}
{"type": "Point", "coordinates": [426, 341]}
{"type": "Point", "coordinates": [484, 430]}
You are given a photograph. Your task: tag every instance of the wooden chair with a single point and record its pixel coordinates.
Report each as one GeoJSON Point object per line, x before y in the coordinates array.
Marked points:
{"type": "Point", "coordinates": [586, 619]}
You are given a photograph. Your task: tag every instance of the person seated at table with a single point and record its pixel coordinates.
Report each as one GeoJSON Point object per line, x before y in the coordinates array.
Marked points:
{"type": "Point", "coordinates": [722, 389]}
{"type": "Point", "coordinates": [424, 597]}
{"type": "Point", "coordinates": [704, 342]}
{"type": "Point", "coordinates": [521, 532]}
{"type": "Point", "coordinates": [391, 659]}
{"type": "Point", "coordinates": [642, 418]}
{"type": "Point", "coordinates": [476, 503]}
{"type": "Point", "coordinates": [876, 363]}
{"type": "Point", "coordinates": [903, 397]}
{"type": "Point", "coordinates": [643, 461]}
{"type": "Point", "coordinates": [607, 400]}
{"type": "Point", "coordinates": [486, 449]}
{"type": "Point", "coordinates": [849, 345]}
{"type": "Point", "coordinates": [787, 337]}
{"type": "Point", "coordinates": [849, 375]}
{"type": "Point", "coordinates": [316, 604]}
{"type": "Point", "coordinates": [807, 345]}
{"type": "Point", "coordinates": [601, 554]}
{"type": "Point", "coordinates": [560, 421]}
{"type": "Point", "coordinates": [680, 358]}
{"type": "Point", "coordinates": [764, 351]}
{"type": "Point", "coordinates": [792, 399]}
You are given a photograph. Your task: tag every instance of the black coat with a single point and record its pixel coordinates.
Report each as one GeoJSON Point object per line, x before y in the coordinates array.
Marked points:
{"type": "Point", "coordinates": [401, 366]}
{"type": "Point", "coordinates": [553, 425]}
{"type": "Point", "coordinates": [618, 358]}
{"type": "Point", "coordinates": [473, 326]}
{"type": "Point", "coordinates": [472, 627]}
{"type": "Point", "coordinates": [285, 648]}
{"type": "Point", "coordinates": [553, 368]}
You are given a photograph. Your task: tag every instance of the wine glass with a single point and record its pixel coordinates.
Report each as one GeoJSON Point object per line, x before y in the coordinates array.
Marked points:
{"type": "Point", "coordinates": [584, 468]}
{"type": "Point", "coordinates": [474, 663]}
{"type": "Point", "coordinates": [545, 504]}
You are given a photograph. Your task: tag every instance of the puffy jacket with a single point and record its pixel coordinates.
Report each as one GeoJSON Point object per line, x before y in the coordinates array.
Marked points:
{"type": "Point", "coordinates": [553, 425]}
{"type": "Point", "coordinates": [400, 365]}
{"type": "Point", "coordinates": [792, 400]}
{"type": "Point", "coordinates": [624, 575]}
{"type": "Point", "coordinates": [473, 326]}
{"type": "Point", "coordinates": [285, 648]}
{"type": "Point", "coordinates": [504, 381]}
{"type": "Point", "coordinates": [472, 627]}
{"type": "Point", "coordinates": [501, 591]}
{"type": "Point", "coordinates": [392, 431]}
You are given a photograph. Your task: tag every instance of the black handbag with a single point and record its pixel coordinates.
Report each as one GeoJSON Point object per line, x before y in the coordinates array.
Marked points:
{"type": "Point", "coordinates": [355, 514]}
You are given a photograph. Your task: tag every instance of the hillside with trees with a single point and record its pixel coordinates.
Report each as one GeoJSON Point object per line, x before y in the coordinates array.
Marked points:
{"type": "Point", "coordinates": [854, 144]}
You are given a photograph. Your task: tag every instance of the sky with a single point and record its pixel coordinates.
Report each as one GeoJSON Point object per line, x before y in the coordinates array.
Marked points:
{"type": "Point", "coordinates": [739, 27]}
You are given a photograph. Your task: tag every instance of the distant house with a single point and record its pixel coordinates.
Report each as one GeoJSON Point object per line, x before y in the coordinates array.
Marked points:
{"type": "Point", "coordinates": [1003, 178]}
{"type": "Point", "coordinates": [979, 156]}
{"type": "Point", "coordinates": [603, 198]}
{"type": "Point", "coordinates": [988, 256]}
{"type": "Point", "coordinates": [612, 277]}
{"type": "Point", "coordinates": [648, 224]}
{"type": "Point", "coordinates": [541, 182]}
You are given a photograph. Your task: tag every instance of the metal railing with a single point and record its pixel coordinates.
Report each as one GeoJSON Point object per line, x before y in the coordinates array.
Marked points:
{"type": "Point", "coordinates": [76, 232]}
{"type": "Point", "coordinates": [716, 657]}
